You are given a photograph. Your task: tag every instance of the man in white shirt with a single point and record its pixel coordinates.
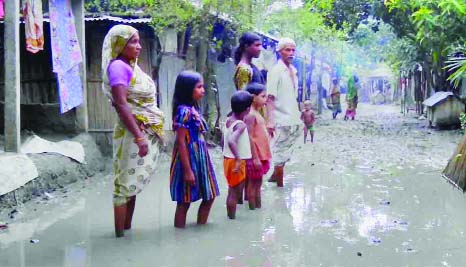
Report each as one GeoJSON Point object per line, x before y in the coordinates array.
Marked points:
{"type": "Point", "coordinates": [282, 108]}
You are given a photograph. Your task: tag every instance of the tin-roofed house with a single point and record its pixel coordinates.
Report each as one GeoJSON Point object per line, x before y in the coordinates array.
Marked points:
{"type": "Point", "coordinates": [444, 109]}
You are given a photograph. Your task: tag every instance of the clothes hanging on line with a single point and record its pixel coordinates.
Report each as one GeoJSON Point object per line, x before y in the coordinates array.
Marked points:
{"type": "Point", "coordinates": [66, 54]}
{"type": "Point", "coordinates": [34, 25]}
{"type": "Point", "coordinates": [2, 10]}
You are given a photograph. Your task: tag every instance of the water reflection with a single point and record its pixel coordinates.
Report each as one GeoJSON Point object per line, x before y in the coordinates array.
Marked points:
{"type": "Point", "coordinates": [325, 207]}
{"type": "Point", "coordinates": [29, 227]}
{"type": "Point", "coordinates": [75, 257]}
{"type": "Point", "coordinates": [299, 203]}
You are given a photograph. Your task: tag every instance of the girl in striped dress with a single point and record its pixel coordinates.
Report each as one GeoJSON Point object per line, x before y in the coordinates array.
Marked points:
{"type": "Point", "coordinates": [192, 174]}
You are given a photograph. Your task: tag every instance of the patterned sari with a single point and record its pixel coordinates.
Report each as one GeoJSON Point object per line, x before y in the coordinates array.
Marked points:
{"type": "Point", "coordinates": [131, 172]}
{"type": "Point", "coordinates": [246, 74]}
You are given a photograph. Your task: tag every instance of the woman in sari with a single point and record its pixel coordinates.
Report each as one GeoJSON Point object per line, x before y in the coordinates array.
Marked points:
{"type": "Point", "coordinates": [139, 127]}
{"type": "Point", "coordinates": [250, 46]}
{"type": "Point", "coordinates": [352, 98]}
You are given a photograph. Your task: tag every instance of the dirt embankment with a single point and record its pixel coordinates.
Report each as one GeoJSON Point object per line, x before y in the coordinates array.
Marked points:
{"type": "Point", "coordinates": [57, 171]}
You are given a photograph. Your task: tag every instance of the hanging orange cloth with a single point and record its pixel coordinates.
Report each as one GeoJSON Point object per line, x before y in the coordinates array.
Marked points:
{"type": "Point", "coordinates": [34, 21]}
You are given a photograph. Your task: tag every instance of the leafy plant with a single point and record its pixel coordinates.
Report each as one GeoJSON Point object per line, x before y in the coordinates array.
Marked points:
{"type": "Point", "coordinates": [463, 123]}
{"type": "Point", "coordinates": [456, 64]}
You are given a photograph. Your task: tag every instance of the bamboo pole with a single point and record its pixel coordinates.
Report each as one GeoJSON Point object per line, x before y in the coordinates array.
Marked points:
{"type": "Point", "coordinates": [12, 77]}
{"type": "Point", "coordinates": [82, 117]}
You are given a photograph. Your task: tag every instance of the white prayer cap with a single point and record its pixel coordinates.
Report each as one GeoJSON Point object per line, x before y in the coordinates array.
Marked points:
{"type": "Point", "coordinates": [284, 42]}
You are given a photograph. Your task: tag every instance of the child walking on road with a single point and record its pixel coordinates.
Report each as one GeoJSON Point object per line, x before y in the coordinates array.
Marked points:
{"type": "Point", "coordinates": [259, 164]}
{"type": "Point", "coordinates": [236, 149]}
{"type": "Point", "coordinates": [308, 118]}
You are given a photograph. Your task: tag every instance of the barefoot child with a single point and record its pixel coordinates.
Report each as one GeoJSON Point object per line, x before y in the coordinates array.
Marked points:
{"type": "Point", "coordinates": [236, 149]}
{"type": "Point", "coordinates": [308, 118]}
{"type": "Point", "coordinates": [259, 165]}
{"type": "Point", "coordinates": [192, 174]}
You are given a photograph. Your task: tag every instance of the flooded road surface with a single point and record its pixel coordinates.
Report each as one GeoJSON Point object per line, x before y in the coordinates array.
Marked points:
{"type": "Point", "coordinates": [367, 193]}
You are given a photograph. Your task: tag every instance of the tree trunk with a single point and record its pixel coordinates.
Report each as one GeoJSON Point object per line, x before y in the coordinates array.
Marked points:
{"type": "Point", "coordinates": [319, 93]}
{"type": "Point", "coordinates": [209, 103]}
{"type": "Point", "coordinates": [418, 97]}
{"type": "Point", "coordinates": [201, 63]}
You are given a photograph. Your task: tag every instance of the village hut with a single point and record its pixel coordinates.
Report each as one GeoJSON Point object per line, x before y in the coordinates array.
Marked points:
{"type": "Point", "coordinates": [444, 109]}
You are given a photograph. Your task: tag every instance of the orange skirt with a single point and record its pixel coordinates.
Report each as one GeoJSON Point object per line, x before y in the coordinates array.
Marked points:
{"type": "Point", "coordinates": [234, 178]}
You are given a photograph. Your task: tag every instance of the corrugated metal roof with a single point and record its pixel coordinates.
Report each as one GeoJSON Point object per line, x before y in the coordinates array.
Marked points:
{"type": "Point", "coordinates": [437, 98]}
{"type": "Point", "coordinates": [118, 19]}
{"type": "Point", "coordinates": [107, 18]}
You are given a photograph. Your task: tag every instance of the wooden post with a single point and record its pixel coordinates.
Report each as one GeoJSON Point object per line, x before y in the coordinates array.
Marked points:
{"type": "Point", "coordinates": [81, 111]}
{"type": "Point", "coordinates": [12, 77]}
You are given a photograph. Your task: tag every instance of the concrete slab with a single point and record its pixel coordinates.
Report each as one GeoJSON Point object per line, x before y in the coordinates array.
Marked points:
{"type": "Point", "coordinates": [38, 145]}
{"type": "Point", "coordinates": [16, 171]}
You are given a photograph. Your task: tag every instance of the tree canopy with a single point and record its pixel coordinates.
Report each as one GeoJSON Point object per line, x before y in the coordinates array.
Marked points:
{"type": "Point", "coordinates": [404, 34]}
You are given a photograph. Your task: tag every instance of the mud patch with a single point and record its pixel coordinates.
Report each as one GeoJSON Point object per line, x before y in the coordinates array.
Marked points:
{"type": "Point", "coordinates": [57, 171]}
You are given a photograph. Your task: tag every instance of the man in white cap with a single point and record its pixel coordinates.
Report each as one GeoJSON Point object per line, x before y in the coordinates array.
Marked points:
{"type": "Point", "coordinates": [283, 114]}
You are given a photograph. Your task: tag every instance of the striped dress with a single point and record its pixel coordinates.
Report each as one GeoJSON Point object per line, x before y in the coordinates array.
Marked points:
{"type": "Point", "coordinates": [206, 187]}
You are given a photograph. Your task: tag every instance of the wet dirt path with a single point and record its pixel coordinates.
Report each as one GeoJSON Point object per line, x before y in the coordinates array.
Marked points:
{"type": "Point", "coordinates": [367, 193]}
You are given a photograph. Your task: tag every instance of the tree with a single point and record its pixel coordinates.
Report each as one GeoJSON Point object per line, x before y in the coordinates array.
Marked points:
{"type": "Point", "coordinates": [432, 27]}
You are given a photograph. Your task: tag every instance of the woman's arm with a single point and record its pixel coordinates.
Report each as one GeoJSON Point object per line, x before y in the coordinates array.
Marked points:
{"type": "Point", "coordinates": [181, 134]}
{"type": "Point", "coordinates": [120, 103]}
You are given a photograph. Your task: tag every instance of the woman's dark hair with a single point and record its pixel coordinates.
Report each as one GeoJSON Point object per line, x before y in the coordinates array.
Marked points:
{"type": "Point", "coordinates": [255, 88]}
{"type": "Point", "coordinates": [184, 88]}
{"type": "Point", "coordinates": [240, 101]}
{"type": "Point", "coordinates": [247, 39]}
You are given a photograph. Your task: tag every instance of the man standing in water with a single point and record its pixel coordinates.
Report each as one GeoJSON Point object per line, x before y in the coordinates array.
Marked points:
{"type": "Point", "coordinates": [283, 122]}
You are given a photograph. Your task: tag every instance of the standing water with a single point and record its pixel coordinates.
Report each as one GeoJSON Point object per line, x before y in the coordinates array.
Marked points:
{"type": "Point", "coordinates": [366, 193]}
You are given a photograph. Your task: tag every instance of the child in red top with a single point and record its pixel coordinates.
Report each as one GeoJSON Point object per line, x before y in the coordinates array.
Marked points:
{"type": "Point", "coordinates": [259, 165]}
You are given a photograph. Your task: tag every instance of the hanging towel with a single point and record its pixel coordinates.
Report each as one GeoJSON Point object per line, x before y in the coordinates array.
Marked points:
{"type": "Point", "coordinates": [34, 21]}
{"type": "Point", "coordinates": [66, 54]}
{"type": "Point", "coordinates": [2, 12]}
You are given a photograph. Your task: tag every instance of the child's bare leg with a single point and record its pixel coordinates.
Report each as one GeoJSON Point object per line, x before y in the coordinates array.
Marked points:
{"type": "Point", "coordinates": [129, 212]}
{"type": "Point", "coordinates": [246, 182]}
{"type": "Point", "coordinates": [242, 194]}
{"type": "Point", "coordinates": [305, 133]}
{"type": "Point", "coordinates": [251, 194]}
{"type": "Point", "coordinates": [180, 214]}
{"type": "Point", "coordinates": [257, 187]}
{"type": "Point", "coordinates": [204, 210]}
{"type": "Point", "coordinates": [232, 200]}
